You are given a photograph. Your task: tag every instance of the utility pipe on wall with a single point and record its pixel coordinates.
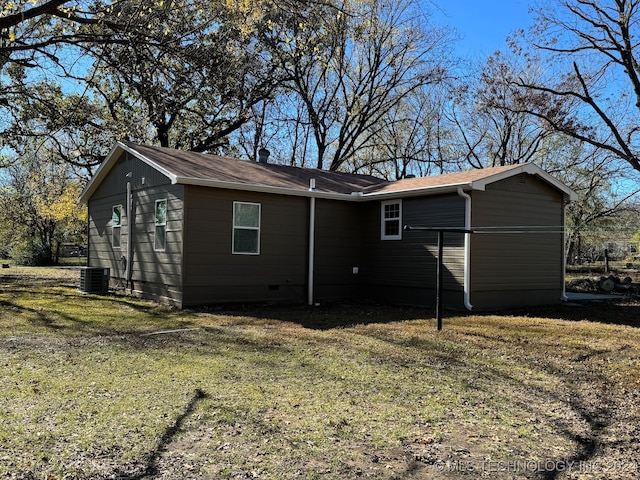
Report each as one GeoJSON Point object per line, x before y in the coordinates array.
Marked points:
{"type": "Point", "coordinates": [467, 248]}
{"type": "Point", "coordinates": [312, 233]}
{"type": "Point", "coordinates": [129, 266]}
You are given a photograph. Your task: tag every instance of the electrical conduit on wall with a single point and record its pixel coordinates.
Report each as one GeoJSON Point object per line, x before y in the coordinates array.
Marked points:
{"type": "Point", "coordinates": [130, 220]}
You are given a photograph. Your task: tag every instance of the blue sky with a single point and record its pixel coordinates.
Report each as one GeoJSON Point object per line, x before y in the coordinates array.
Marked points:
{"type": "Point", "coordinates": [482, 25]}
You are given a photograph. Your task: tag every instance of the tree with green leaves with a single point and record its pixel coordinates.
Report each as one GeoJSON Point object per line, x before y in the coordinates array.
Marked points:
{"type": "Point", "coordinates": [39, 210]}
{"type": "Point", "coordinates": [179, 73]}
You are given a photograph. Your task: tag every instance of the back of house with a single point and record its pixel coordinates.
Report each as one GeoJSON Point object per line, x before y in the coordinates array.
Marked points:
{"type": "Point", "coordinates": [191, 229]}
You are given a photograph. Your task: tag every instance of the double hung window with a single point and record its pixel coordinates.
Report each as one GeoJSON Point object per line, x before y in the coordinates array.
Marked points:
{"type": "Point", "coordinates": [391, 220]}
{"type": "Point", "coordinates": [246, 228]}
{"type": "Point", "coordinates": [116, 225]}
{"type": "Point", "coordinates": [161, 225]}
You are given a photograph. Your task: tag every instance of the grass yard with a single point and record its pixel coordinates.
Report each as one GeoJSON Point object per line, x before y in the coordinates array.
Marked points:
{"type": "Point", "coordinates": [112, 387]}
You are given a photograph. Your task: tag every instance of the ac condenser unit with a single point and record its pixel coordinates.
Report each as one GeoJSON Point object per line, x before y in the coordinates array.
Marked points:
{"type": "Point", "coordinates": [94, 280]}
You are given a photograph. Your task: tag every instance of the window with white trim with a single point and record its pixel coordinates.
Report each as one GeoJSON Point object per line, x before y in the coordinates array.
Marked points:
{"type": "Point", "coordinates": [161, 225]}
{"type": "Point", "coordinates": [391, 220]}
{"type": "Point", "coordinates": [246, 228]}
{"type": "Point", "coordinates": [116, 225]}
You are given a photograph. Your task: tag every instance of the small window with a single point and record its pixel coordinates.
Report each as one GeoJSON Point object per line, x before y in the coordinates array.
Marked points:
{"type": "Point", "coordinates": [391, 221]}
{"type": "Point", "coordinates": [116, 225]}
{"type": "Point", "coordinates": [246, 228]}
{"type": "Point", "coordinates": [161, 225]}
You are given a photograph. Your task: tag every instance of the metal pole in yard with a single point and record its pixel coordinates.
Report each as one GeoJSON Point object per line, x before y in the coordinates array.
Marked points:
{"type": "Point", "coordinates": [439, 263]}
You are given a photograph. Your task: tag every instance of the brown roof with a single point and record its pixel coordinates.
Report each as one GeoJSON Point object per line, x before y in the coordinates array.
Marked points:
{"type": "Point", "coordinates": [458, 178]}
{"type": "Point", "coordinates": [192, 165]}
{"type": "Point", "coordinates": [216, 171]}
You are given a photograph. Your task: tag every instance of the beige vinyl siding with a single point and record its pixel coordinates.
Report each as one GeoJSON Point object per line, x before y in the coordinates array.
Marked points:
{"type": "Point", "coordinates": [214, 274]}
{"type": "Point", "coordinates": [516, 268]}
{"type": "Point", "coordinates": [404, 271]}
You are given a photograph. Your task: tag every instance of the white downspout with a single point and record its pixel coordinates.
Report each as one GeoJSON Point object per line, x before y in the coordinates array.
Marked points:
{"type": "Point", "coordinates": [564, 297]}
{"type": "Point", "coordinates": [312, 229]}
{"type": "Point", "coordinates": [467, 248]}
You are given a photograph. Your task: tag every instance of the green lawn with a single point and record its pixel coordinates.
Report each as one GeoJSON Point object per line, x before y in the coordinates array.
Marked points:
{"type": "Point", "coordinates": [111, 387]}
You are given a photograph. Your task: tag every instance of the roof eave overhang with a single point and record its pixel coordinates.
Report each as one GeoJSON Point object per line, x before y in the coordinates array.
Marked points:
{"type": "Point", "coordinates": [479, 184]}
{"type": "Point", "coordinates": [102, 171]}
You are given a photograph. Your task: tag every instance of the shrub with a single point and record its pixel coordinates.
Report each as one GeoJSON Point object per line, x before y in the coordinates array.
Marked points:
{"type": "Point", "coordinates": [30, 253]}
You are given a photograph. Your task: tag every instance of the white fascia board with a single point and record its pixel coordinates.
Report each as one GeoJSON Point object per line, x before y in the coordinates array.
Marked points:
{"type": "Point", "coordinates": [248, 187]}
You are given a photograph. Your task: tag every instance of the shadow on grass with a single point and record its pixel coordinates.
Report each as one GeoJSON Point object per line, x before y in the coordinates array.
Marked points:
{"type": "Point", "coordinates": [51, 308]}
{"type": "Point", "coordinates": [326, 316]}
{"type": "Point", "coordinates": [151, 467]}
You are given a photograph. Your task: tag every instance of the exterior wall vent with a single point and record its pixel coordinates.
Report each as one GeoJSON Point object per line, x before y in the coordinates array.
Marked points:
{"type": "Point", "coordinates": [94, 280]}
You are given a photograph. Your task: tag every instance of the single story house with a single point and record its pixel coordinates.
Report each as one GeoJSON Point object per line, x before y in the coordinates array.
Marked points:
{"type": "Point", "coordinates": [191, 229]}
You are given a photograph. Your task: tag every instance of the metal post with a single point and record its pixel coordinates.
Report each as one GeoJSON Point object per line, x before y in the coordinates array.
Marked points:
{"type": "Point", "coordinates": [439, 287]}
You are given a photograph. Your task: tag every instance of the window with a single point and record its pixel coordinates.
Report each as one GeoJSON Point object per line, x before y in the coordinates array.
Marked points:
{"type": "Point", "coordinates": [116, 225]}
{"type": "Point", "coordinates": [161, 225]}
{"type": "Point", "coordinates": [391, 212]}
{"type": "Point", "coordinates": [246, 228]}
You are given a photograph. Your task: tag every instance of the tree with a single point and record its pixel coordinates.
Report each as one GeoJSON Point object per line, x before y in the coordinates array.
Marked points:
{"type": "Point", "coordinates": [352, 67]}
{"type": "Point", "coordinates": [489, 113]}
{"type": "Point", "coordinates": [414, 138]}
{"type": "Point", "coordinates": [197, 83]}
{"type": "Point", "coordinates": [591, 52]}
{"type": "Point", "coordinates": [39, 207]}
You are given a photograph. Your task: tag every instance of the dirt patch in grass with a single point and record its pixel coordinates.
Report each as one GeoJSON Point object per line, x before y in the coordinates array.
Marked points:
{"type": "Point", "coordinates": [110, 387]}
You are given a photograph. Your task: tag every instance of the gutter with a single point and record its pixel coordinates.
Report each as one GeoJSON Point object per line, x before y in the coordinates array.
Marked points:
{"type": "Point", "coordinates": [467, 248]}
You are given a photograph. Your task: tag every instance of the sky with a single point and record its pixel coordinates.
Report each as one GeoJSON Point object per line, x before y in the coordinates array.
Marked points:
{"type": "Point", "coordinates": [482, 25]}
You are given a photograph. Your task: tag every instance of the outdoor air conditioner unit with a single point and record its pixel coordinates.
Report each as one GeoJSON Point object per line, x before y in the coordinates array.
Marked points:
{"type": "Point", "coordinates": [94, 280]}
